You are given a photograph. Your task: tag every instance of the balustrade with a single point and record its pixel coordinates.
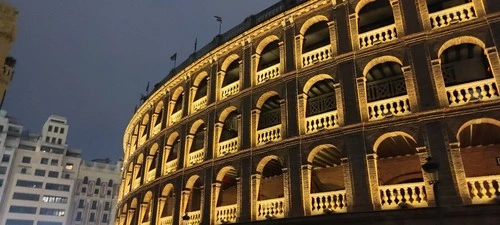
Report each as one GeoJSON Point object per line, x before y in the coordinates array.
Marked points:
{"type": "Point", "coordinates": [484, 189]}
{"type": "Point", "coordinates": [230, 89]}
{"type": "Point", "coordinates": [453, 15]}
{"type": "Point", "coordinates": [229, 146]}
{"type": "Point", "coordinates": [269, 134]}
{"type": "Point", "coordinates": [332, 200]}
{"type": "Point", "coordinates": [169, 220]}
{"type": "Point", "coordinates": [151, 175]}
{"type": "Point", "coordinates": [396, 106]}
{"type": "Point", "coordinates": [268, 73]}
{"type": "Point", "coordinates": [226, 214]}
{"type": "Point", "coordinates": [481, 90]}
{"type": "Point", "coordinates": [322, 121]}
{"type": "Point", "coordinates": [194, 217]}
{"type": "Point", "coordinates": [176, 116]}
{"type": "Point", "coordinates": [157, 129]}
{"type": "Point", "coordinates": [196, 157]}
{"type": "Point", "coordinates": [271, 208]}
{"type": "Point", "coordinates": [200, 103]}
{"type": "Point", "coordinates": [378, 36]}
{"type": "Point", "coordinates": [403, 195]}
{"type": "Point", "coordinates": [171, 166]}
{"type": "Point", "coordinates": [316, 55]}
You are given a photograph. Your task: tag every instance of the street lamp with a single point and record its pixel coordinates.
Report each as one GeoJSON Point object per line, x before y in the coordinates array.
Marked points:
{"type": "Point", "coordinates": [185, 219]}
{"type": "Point", "coordinates": [432, 169]}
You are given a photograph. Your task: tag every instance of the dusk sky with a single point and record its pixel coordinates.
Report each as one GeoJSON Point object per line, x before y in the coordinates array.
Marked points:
{"type": "Point", "coordinates": [90, 60]}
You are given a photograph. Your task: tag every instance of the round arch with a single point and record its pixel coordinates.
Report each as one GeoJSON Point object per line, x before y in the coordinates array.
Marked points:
{"type": "Point", "coordinates": [362, 4]}
{"type": "Point", "coordinates": [171, 139]}
{"type": "Point", "coordinates": [196, 125]}
{"type": "Point", "coordinates": [310, 83]}
{"type": "Point", "coordinates": [265, 42]}
{"type": "Point", "coordinates": [133, 204]}
{"type": "Point", "coordinates": [228, 61]}
{"type": "Point", "coordinates": [262, 99]}
{"type": "Point", "coordinates": [477, 121]}
{"type": "Point", "coordinates": [316, 150]}
{"type": "Point", "coordinates": [153, 149]}
{"type": "Point", "coordinates": [191, 181]}
{"type": "Point", "coordinates": [264, 161]}
{"type": "Point", "coordinates": [140, 159]}
{"type": "Point", "coordinates": [459, 41]}
{"type": "Point", "coordinates": [167, 189]}
{"type": "Point", "coordinates": [223, 172]}
{"type": "Point", "coordinates": [312, 21]}
{"type": "Point", "coordinates": [145, 119]}
{"type": "Point", "coordinates": [199, 78]}
{"type": "Point", "coordinates": [177, 93]}
{"type": "Point", "coordinates": [389, 135]}
{"type": "Point", "coordinates": [147, 197]}
{"type": "Point", "coordinates": [159, 107]}
{"type": "Point", "coordinates": [379, 60]}
{"type": "Point", "coordinates": [225, 113]}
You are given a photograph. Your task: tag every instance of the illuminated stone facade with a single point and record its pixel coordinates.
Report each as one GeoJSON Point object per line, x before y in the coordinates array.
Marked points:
{"type": "Point", "coordinates": [323, 111]}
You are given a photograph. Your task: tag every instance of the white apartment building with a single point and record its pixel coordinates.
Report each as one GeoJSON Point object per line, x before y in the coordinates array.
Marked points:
{"type": "Point", "coordinates": [96, 192]}
{"type": "Point", "coordinates": [9, 140]}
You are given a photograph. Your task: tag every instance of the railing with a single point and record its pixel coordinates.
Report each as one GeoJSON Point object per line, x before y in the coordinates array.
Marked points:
{"type": "Point", "coordinates": [316, 55]}
{"type": "Point", "coordinates": [196, 157]}
{"type": "Point", "coordinates": [137, 183]}
{"type": "Point", "coordinates": [484, 190]}
{"type": "Point", "coordinates": [169, 220]}
{"type": "Point", "coordinates": [151, 175]}
{"type": "Point", "coordinates": [226, 214]}
{"type": "Point", "coordinates": [322, 121]}
{"type": "Point", "coordinates": [395, 106]}
{"type": "Point", "coordinates": [378, 36]}
{"type": "Point", "coordinates": [268, 73]}
{"type": "Point", "coordinates": [157, 129]}
{"type": "Point", "coordinates": [271, 208]}
{"type": "Point", "coordinates": [200, 103]}
{"type": "Point", "coordinates": [229, 146]}
{"type": "Point", "coordinates": [403, 195]}
{"type": "Point", "coordinates": [176, 116]}
{"type": "Point", "coordinates": [194, 217]}
{"type": "Point", "coordinates": [453, 15]}
{"type": "Point", "coordinates": [143, 139]}
{"type": "Point", "coordinates": [269, 134]}
{"type": "Point", "coordinates": [170, 166]}
{"type": "Point", "coordinates": [481, 90]}
{"type": "Point", "coordinates": [332, 200]}
{"type": "Point", "coordinates": [230, 89]}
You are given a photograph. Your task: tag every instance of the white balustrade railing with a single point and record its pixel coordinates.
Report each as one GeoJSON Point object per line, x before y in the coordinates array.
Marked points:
{"type": "Point", "coordinates": [143, 139]}
{"type": "Point", "coordinates": [194, 217]}
{"type": "Point", "coordinates": [229, 146]}
{"type": "Point", "coordinates": [137, 183]}
{"type": "Point", "coordinates": [230, 89]}
{"type": "Point", "coordinates": [169, 220]}
{"type": "Point", "coordinates": [226, 214]}
{"type": "Point", "coordinates": [484, 190]}
{"type": "Point", "coordinates": [269, 134]}
{"type": "Point", "coordinates": [395, 106]}
{"type": "Point", "coordinates": [457, 14]}
{"type": "Point", "coordinates": [170, 166]}
{"type": "Point", "coordinates": [403, 195]}
{"type": "Point", "coordinates": [176, 116]}
{"type": "Point", "coordinates": [151, 175]}
{"type": "Point", "coordinates": [196, 157]}
{"type": "Point", "coordinates": [322, 121]}
{"type": "Point", "coordinates": [481, 90]}
{"type": "Point", "coordinates": [271, 208]}
{"type": "Point", "coordinates": [333, 200]}
{"type": "Point", "coordinates": [200, 103]}
{"type": "Point", "coordinates": [316, 55]}
{"type": "Point", "coordinates": [157, 129]}
{"type": "Point", "coordinates": [378, 36]}
{"type": "Point", "coordinates": [268, 73]}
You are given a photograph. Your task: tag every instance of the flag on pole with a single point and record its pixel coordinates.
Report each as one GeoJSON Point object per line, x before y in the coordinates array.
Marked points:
{"type": "Point", "coordinates": [147, 88]}
{"type": "Point", "coordinates": [219, 19]}
{"type": "Point", "coordinates": [195, 44]}
{"type": "Point", "coordinates": [173, 57]}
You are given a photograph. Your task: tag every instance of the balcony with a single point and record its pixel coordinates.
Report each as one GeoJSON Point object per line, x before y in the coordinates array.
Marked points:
{"type": "Point", "coordinates": [229, 146]}
{"type": "Point", "coordinates": [270, 209]}
{"type": "Point", "coordinates": [170, 167]}
{"type": "Point", "coordinates": [396, 196]}
{"type": "Point", "coordinates": [317, 55]}
{"type": "Point", "coordinates": [194, 217]}
{"type": "Point", "coordinates": [268, 73]}
{"type": "Point", "coordinates": [453, 15]}
{"type": "Point", "coordinates": [151, 175]}
{"type": "Point", "coordinates": [269, 134]}
{"type": "Point", "coordinates": [136, 183]}
{"type": "Point", "coordinates": [169, 220]}
{"type": "Point", "coordinates": [230, 89]}
{"type": "Point", "coordinates": [328, 120]}
{"type": "Point", "coordinates": [196, 157]}
{"type": "Point", "coordinates": [200, 103]}
{"type": "Point", "coordinates": [477, 91]}
{"type": "Point", "coordinates": [157, 129]}
{"type": "Point", "coordinates": [484, 190]}
{"type": "Point", "coordinates": [395, 106]}
{"type": "Point", "coordinates": [226, 214]}
{"type": "Point", "coordinates": [332, 200]}
{"type": "Point", "coordinates": [378, 36]}
{"type": "Point", "coordinates": [176, 116]}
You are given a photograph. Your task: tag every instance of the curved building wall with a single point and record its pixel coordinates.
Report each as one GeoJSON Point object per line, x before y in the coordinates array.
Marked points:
{"type": "Point", "coordinates": [322, 107]}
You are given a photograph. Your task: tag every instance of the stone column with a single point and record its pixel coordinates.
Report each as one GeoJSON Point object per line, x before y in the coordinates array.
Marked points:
{"type": "Point", "coordinates": [123, 219]}
{"type": "Point", "coordinates": [422, 156]}
{"type": "Point", "coordinates": [130, 216]}
{"type": "Point", "coordinates": [217, 133]}
{"type": "Point", "coordinates": [144, 208]}
{"type": "Point", "coordinates": [457, 168]}
{"type": "Point", "coordinates": [171, 106]}
{"type": "Point", "coordinates": [186, 97]}
{"type": "Point", "coordinates": [161, 205]}
{"type": "Point", "coordinates": [284, 119]}
{"type": "Point", "coordinates": [371, 162]}
{"type": "Point", "coordinates": [240, 127]}
{"type": "Point", "coordinates": [149, 161]}
{"type": "Point", "coordinates": [184, 202]}
{"type": "Point", "coordinates": [398, 17]}
{"type": "Point", "coordinates": [254, 125]}
{"type": "Point", "coordinates": [239, 195]}
{"type": "Point", "coordinates": [166, 152]}
{"type": "Point", "coordinates": [424, 14]}
{"type": "Point", "coordinates": [220, 81]}
{"type": "Point", "coordinates": [348, 184]}
{"type": "Point", "coordinates": [154, 118]}
{"type": "Point", "coordinates": [299, 40]}
{"type": "Point", "coordinates": [213, 204]}
{"type": "Point", "coordinates": [210, 90]}
{"type": "Point", "coordinates": [255, 179]}
{"type": "Point", "coordinates": [254, 67]}
{"type": "Point", "coordinates": [332, 28]}
{"type": "Point", "coordinates": [340, 103]}
{"type": "Point", "coordinates": [362, 99]}
{"type": "Point", "coordinates": [440, 86]}
{"type": "Point", "coordinates": [306, 188]}
{"type": "Point", "coordinates": [286, 191]}
{"type": "Point", "coordinates": [494, 60]}
{"type": "Point", "coordinates": [410, 88]}
{"type": "Point", "coordinates": [302, 107]}
{"type": "Point", "coordinates": [353, 25]}
{"type": "Point", "coordinates": [192, 94]}
{"type": "Point", "coordinates": [282, 57]}
{"type": "Point", "coordinates": [187, 149]}
{"type": "Point", "coordinates": [246, 71]}
{"type": "Point", "coordinates": [478, 6]}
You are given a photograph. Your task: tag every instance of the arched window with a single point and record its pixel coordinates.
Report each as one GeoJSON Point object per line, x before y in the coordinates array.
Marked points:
{"type": "Point", "coordinates": [134, 139]}
{"type": "Point", "coordinates": [269, 124]}
{"type": "Point", "coordinates": [166, 205]}
{"type": "Point", "coordinates": [268, 66]}
{"type": "Point", "coordinates": [98, 181]}
{"type": "Point", "coordinates": [176, 105]}
{"type": "Point", "coordinates": [85, 180]}
{"type": "Point", "coordinates": [228, 141]}
{"type": "Point", "coordinates": [157, 118]}
{"type": "Point", "coordinates": [143, 130]}
{"type": "Point", "coordinates": [200, 90]}
{"type": "Point", "coordinates": [138, 171]}
{"type": "Point", "coordinates": [270, 194]}
{"type": "Point", "coordinates": [376, 23]}
{"type": "Point", "coordinates": [171, 153]}
{"type": "Point", "coordinates": [151, 162]}
{"type": "Point", "coordinates": [231, 81]}
{"type": "Point", "coordinates": [147, 209]}
{"type": "Point", "coordinates": [227, 197]}
{"type": "Point", "coordinates": [194, 192]}
{"type": "Point", "coordinates": [443, 13]}
{"type": "Point", "coordinates": [110, 183]}
{"type": "Point", "coordinates": [321, 105]}
{"type": "Point", "coordinates": [197, 150]}
{"type": "Point", "coordinates": [316, 44]}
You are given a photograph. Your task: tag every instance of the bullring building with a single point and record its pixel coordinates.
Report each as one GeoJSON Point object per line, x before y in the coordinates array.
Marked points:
{"type": "Point", "coordinates": [328, 112]}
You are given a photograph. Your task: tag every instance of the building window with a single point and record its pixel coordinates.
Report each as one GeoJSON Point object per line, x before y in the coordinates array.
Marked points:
{"type": "Point", "coordinates": [30, 184]}
{"type": "Point", "coordinates": [6, 158]}
{"type": "Point", "coordinates": [26, 196]}
{"type": "Point", "coordinates": [98, 181]}
{"type": "Point", "coordinates": [79, 216]}
{"type": "Point", "coordinates": [53, 174]}
{"type": "Point", "coordinates": [23, 170]}
{"type": "Point", "coordinates": [62, 130]}
{"type": "Point", "coordinates": [55, 199]}
{"type": "Point", "coordinates": [81, 204]}
{"type": "Point", "coordinates": [109, 192]}
{"type": "Point", "coordinates": [66, 176]}
{"type": "Point", "coordinates": [85, 180]}
{"type": "Point", "coordinates": [48, 223]}
{"type": "Point", "coordinates": [56, 129]}
{"type": "Point", "coordinates": [50, 127]}
{"type": "Point", "coordinates": [3, 169]}
{"type": "Point", "coordinates": [92, 217]}
{"type": "Point", "coordinates": [26, 159]}
{"type": "Point", "coordinates": [19, 222]}
{"type": "Point", "coordinates": [22, 209]}
{"type": "Point", "coordinates": [104, 218]}
{"type": "Point", "coordinates": [53, 141]}
{"type": "Point", "coordinates": [44, 161]}
{"type": "Point", "coordinates": [54, 162]}
{"type": "Point", "coordinates": [94, 205]}
{"type": "Point", "coordinates": [40, 173]}
{"type": "Point", "coordinates": [52, 212]}
{"type": "Point", "coordinates": [96, 191]}
{"type": "Point", "coordinates": [57, 187]}
{"type": "Point", "coordinates": [84, 190]}
{"type": "Point", "coordinates": [1, 182]}
{"type": "Point", "coordinates": [69, 166]}
{"type": "Point", "coordinates": [106, 206]}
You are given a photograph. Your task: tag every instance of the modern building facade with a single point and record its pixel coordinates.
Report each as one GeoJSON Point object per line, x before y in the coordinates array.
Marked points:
{"type": "Point", "coordinates": [9, 141]}
{"type": "Point", "coordinates": [324, 111]}
{"type": "Point", "coordinates": [8, 17]}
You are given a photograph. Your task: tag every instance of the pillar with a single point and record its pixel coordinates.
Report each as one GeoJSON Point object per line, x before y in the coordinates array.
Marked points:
{"type": "Point", "coordinates": [255, 184]}
{"type": "Point", "coordinates": [282, 57]}
{"type": "Point", "coordinates": [398, 17]}
{"type": "Point", "coordinates": [410, 88]}
{"type": "Point", "coordinates": [340, 103]}
{"type": "Point", "coordinates": [332, 28]}
{"type": "Point", "coordinates": [299, 40]}
{"type": "Point", "coordinates": [301, 116]}
{"type": "Point", "coordinates": [286, 191]}
{"type": "Point", "coordinates": [217, 133]}
{"type": "Point", "coordinates": [494, 60]}
{"type": "Point", "coordinates": [371, 162]}
{"type": "Point", "coordinates": [439, 82]}
{"type": "Point", "coordinates": [422, 156]}
{"type": "Point", "coordinates": [213, 203]}
{"type": "Point", "coordinates": [353, 25]}
{"type": "Point", "coordinates": [458, 170]}
{"type": "Point", "coordinates": [362, 98]}
{"type": "Point", "coordinates": [284, 118]}
{"type": "Point", "coordinates": [306, 188]}
{"type": "Point", "coordinates": [348, 183]}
